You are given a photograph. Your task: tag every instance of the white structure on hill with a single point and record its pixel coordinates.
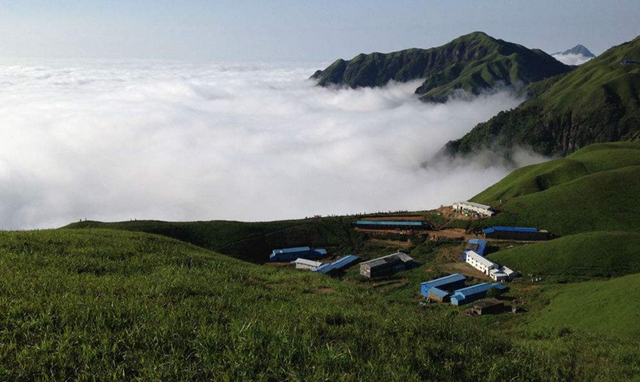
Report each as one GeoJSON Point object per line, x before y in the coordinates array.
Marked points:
{"type": "Point", "coordinates": [474, 208]}
{"type": "Point", "coordinates": [307, 264]}
{"type": "Point", "coordinates": [480, 263]}
{"type": "Point", "coordinates": [502, 274]}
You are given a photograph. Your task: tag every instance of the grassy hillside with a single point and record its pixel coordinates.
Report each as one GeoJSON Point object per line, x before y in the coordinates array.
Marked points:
{"type": "Point", "coordinates": [597, 102]}
{"type": "Point", "coordinates": [249, 241]}
{"type": "Point", "coordinates": [609, 308]}
{"type": "Point", "coordinates": [595, 189]}
{"type": "Point", "coordinates": [115, 305]}
{"type": "Point", "coordinates": [473, 63]}
{"type": "Point", "coordinates": [593, 254]}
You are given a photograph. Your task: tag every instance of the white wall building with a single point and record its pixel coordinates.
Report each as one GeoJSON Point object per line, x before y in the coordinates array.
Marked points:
{"type": "Point", "coordinates": [480, 263]}
{"type": "Point", "coordinates": [307, 264]}
{"type": "Point", "coordinates": [502, 274]}
{"type": "Point", "coordinates": [475, 208]}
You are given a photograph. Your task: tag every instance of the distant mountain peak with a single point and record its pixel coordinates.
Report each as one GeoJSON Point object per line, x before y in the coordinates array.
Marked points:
{"type": "Point", "coordinates": [578, 49]}
{"type": "Point", "coordinates": [472, 63]}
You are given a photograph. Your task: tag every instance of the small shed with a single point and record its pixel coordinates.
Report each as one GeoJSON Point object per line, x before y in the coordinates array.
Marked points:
{"type": "Point", "coordinates": [291, 254]}
{"type": "Point", "coordinates": [307, 264]}
{"type": "Point", "coordinates": [385, 265]}
{"type": "Point", "coordinates": [488, 306]}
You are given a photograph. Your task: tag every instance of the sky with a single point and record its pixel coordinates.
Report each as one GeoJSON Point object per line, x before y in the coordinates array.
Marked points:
{"type": "Point", "coordinates": [298, 30]}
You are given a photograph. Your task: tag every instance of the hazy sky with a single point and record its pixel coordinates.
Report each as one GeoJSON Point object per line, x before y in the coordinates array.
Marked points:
{"type": "Point", "coordinates": [298, 30]}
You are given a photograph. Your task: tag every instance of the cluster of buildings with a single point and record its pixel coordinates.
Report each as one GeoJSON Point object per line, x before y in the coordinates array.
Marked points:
{"type": "Point", "coordinates": [303, 258]}
{"type": "Point", "coordinates": [452, 289]}
{"type": "Point", "coordinates": [471, 208]}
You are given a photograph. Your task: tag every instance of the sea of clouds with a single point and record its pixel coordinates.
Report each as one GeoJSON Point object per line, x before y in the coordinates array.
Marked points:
{"type": "Point", "coordinates": [571, 59]}
{"type": "Point", "coordinates": [121, 140]}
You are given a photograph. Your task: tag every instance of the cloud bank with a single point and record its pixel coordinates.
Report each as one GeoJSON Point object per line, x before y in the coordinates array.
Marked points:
{"type": "Point", "coordinates": [572, 59]}
{"type": "Point", "coordinates": [173, 141]}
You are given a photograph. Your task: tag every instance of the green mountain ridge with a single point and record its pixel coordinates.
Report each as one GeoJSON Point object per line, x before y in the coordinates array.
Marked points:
{"type": "Point", "coordinates": [597, 102]}
{"type": "Point", "coordinates": [473, 63]}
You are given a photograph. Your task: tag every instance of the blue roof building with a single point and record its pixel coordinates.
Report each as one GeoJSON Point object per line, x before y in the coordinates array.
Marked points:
{"type": "Point", "coordinates": [477, 245]}
{"type": "Point", "coordinates": [338, 265]}
{"type": "Point", "coordinates": [475, 292]}
{"type": "Point", "coordinates": [291, 254]}
{"type": "Point", "coordinates": [451, 282]}
{"type": "Point", "coordinates": [391, 224]}
{"type": "Point", "coordinates": [515, 233]}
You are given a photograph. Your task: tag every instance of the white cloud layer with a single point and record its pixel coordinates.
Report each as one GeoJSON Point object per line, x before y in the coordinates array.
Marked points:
{"type": "Point", "coordinates": [158, 140]}
{"type": "Point", "coordinates": [572, 59]}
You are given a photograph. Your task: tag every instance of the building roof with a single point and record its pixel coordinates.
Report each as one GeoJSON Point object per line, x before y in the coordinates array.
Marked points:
{"type": "Point", "coordinates": [456, 277]}
{"type": "Point", "coordinates": [477, 245]}
{"type": "Point", "coordinates": [479, 259]}
{"type": "Point", "coordinates": [438, 292]}
{"type": "Point", "coordinates": [500, 287]}
{"type": "Point", "coordinates": [300, 260]}
{"type": "Point", "coordinates": [510, 229]}
{"type": "Point", "coordinates": [477, 205]}
{"type": "Point", "coordinates": [398, 256]}
{"type": "Point", "coordinates": [291, 250]}
{"type": "Point", "coordinates": [338, 264]}
{"type": "Point", "coordinates": [473, 289]}
{"type": "Point", "coordinates": [487, 303]}
{"type": "Point", "coordinates": [390, 222]}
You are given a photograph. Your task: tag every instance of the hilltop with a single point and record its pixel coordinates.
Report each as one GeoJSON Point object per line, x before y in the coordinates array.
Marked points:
{"type": "Point", "coordinates": [577, 50]}
{"type": "Point", "coordinates": [473, 63]}
{"type": "Point", "coordinates": [597, 102]}
{"type": "Point", "coordinates": [594, 189]}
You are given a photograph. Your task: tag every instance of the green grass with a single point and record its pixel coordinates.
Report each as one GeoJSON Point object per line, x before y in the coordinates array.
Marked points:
{"type": "Point", "coordinates": [595, 189]}
{"type": "Point", "coordinates": [113, 305]}
{"type": "Point", "coordinates": [608, 308]}
{"type": "Point", "coordinates": [593, 254]}
{"type": "Point", "coordinates": [597, 102]}
{"type": "Point", "coordinates": [249, 241]}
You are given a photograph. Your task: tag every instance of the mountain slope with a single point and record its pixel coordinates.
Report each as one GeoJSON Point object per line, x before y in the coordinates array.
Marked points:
{"type": "Point", "coordinates": [247, 241]}
{"type": "Point", "coordinates": [597, 102]}
{"type": "Point", "coordinates": [474, 62]}
{"type": "Point", "coordinates": [595, 189]}
{"type": "Point", "coordinates": [113, 305]}
{"type": "Point", "coordinates": [591, 254]}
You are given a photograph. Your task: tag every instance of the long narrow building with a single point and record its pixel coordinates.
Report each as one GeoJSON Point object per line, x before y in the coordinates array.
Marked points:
{"type": "Point", "coordinates": [473, 208]}
{"type": "Point", "coordinates": [385, 265]}
{"type": "Point", "coordinates": [291, 254]}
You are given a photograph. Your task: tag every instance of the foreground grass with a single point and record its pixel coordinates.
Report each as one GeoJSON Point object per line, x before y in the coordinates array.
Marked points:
{"type": "Point", "coordinates": [115, 305]}
{"type": "Point", "coordinates": [607, 308]}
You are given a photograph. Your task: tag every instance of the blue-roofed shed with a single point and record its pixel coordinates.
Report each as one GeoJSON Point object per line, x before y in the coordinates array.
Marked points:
{"type": "Point", "coordinates": [391, 224]}
{"type": "Point", "coordinates": [291, 254]}
{"type": "Point", "coordinates": [515, 233]}
{"type": "Point", "coordinates": [474, 293]}
{"type": "Point", "coordinates": [451, 282]}
{"type": "Point", "coordinates": [338, 265]}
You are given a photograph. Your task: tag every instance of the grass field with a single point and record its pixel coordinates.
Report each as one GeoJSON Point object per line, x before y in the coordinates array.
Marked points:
{"type": "Point", "coordinates": [609, 308]}
{"type": "Point", "coordinates": [249, 241]}
{"type": "Point", "coordinates": [100, 304]}
{"type": "Point", "coordinates": [595, 189]}
{"type": "Point", "coordinates": [592, 254]}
